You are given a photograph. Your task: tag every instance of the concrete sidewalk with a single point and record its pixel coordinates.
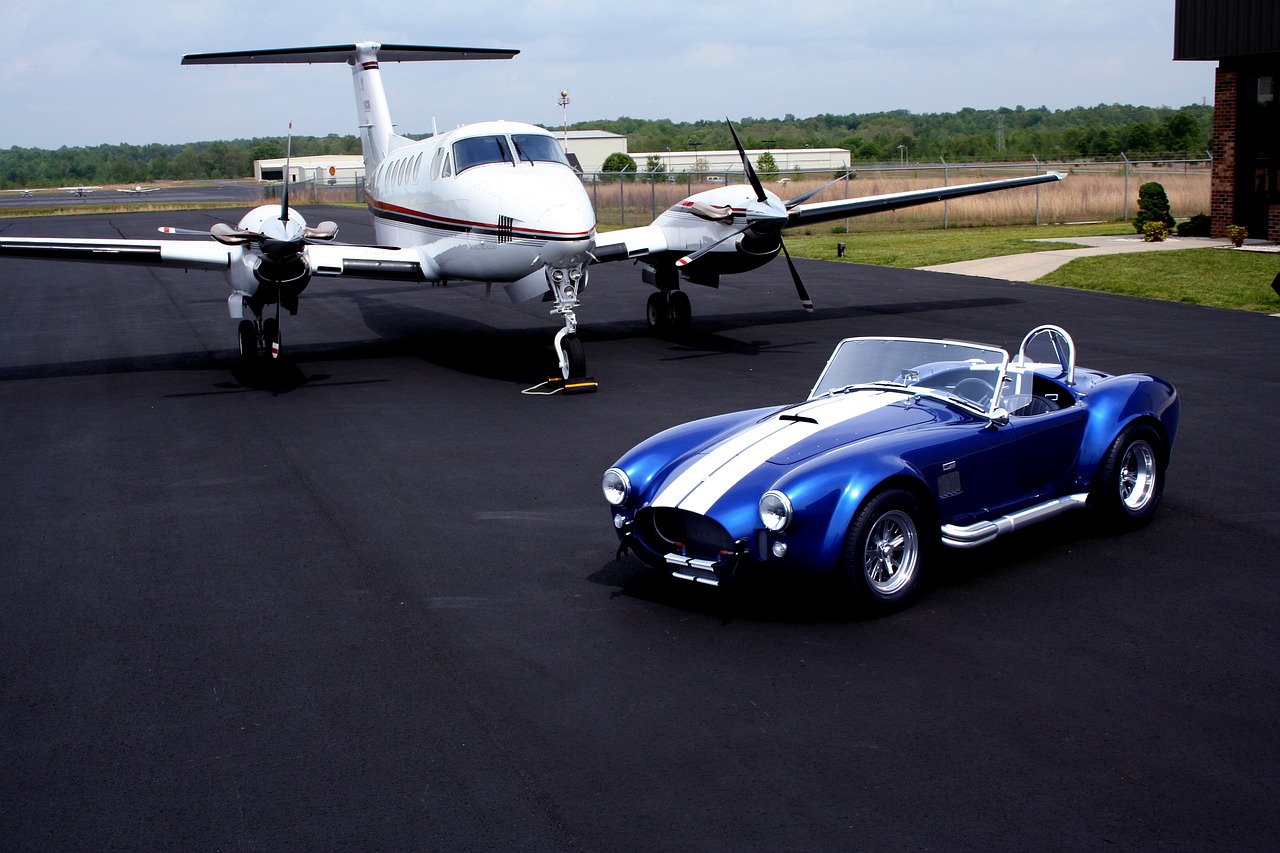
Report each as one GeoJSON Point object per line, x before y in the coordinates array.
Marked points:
{"type": "Point", "coordinates": [1033, 265]}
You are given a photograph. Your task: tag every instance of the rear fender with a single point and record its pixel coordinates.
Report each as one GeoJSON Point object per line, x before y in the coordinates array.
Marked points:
{"type": "Point", "coordinates": [1114, 405]}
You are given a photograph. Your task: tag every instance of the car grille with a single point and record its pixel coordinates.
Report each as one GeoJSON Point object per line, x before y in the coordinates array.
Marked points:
{"type": "Point", "coordinates": [671, 530]}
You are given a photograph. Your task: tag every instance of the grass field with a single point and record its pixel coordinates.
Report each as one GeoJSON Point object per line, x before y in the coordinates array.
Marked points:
{"type": "Point", "coordinates": [1217, 277]}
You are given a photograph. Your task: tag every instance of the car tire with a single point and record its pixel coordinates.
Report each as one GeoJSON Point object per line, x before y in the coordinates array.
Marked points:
{"type": "Point", "coordinates": [886, 551]}
{"type": "Point", "coordinates": [1130, 480]}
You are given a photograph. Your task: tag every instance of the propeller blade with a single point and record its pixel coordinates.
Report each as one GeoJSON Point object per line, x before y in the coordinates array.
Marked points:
{"type": "Point", "coordinates": [746, 165]}
{"type": "Point", "coordinates": [805, 301]}
{"type": "Point", "coordinates": [803, 197]}
{"type": "Point", "coordinates": [188, 232]}
{"type": "Point", "coordinates": [231, 236]}
{"type": "Point", "coordinates": [284, 194]}
{"type": "Point", "coordinates": [690, 258]}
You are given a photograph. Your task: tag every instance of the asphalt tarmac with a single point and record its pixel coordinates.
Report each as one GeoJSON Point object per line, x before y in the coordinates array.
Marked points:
{"type": "Point", "coordinates": [369, 601]}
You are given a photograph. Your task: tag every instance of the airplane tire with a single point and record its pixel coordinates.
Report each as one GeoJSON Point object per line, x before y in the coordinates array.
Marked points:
{"type": "Point", "coordinates": [576, 355]}
{"type": "Point", "coordinates": [681, 310]}
{"type": "Point", "coordinates": [658, 312]}
{"type": "Point", "coordinates": [248, 340]}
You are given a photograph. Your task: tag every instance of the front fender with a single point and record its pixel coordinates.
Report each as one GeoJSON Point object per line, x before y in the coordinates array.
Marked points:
{"type": "Point", "coordinates": [826, 494]}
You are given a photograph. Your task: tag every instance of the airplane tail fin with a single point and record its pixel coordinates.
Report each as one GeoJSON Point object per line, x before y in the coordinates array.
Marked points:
{"type": "Point", "coordinates": [377, 133]}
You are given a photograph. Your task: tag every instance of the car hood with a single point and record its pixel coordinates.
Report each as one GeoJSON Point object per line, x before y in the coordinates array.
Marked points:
{"type": "Point", "coordinates": [787, 438]}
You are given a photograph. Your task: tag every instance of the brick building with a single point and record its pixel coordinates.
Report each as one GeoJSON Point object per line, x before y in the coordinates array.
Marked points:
{"type": "Point", "coordinates": [1244, 37]}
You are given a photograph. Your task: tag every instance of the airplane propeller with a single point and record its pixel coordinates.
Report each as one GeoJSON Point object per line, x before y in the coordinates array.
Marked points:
{"type": "Point", "coordinates": [766, 218]}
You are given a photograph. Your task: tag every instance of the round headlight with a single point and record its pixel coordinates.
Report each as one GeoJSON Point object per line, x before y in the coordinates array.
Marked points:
{"type": "Point", "coordinates": [616, 486]}
{"type": "Point", "coordinates": [775, 511]}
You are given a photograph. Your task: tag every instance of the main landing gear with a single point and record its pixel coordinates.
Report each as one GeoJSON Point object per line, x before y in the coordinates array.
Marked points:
{"type": "Point", "coordinates": [668, 311]}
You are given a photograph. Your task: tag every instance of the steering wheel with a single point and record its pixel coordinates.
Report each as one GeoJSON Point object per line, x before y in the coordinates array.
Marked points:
{"type": "Point", "coordinates": [977, 390]}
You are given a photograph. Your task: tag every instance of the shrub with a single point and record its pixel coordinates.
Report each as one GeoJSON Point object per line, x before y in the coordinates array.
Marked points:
{"type": "Point", "coordinates": [1197, 226]}
{"type": "Point", "coordinates": [617, 166]}
{"type": "Point", "coordinates": [1155, 232]}
{"type": "Point", "coordinates": [1153, 206]}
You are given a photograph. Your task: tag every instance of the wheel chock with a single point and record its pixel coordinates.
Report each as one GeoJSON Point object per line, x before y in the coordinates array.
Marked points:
{"type": "Point", "coordinates": [560, 385]}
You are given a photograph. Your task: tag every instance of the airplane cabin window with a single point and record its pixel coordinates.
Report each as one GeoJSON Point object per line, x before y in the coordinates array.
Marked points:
{"type": "Point", "coordinates": [538, 148]}
{"type": "Point", "coordinates": [480, 150]}
{"type": "Point", "coordinates": [435, 163]}
{"type": "Point", "coordinates": [448, 167]}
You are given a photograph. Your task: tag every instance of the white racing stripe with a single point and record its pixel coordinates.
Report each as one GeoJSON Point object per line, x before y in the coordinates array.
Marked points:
{"type": "Point", "coordinates": [712, 474]}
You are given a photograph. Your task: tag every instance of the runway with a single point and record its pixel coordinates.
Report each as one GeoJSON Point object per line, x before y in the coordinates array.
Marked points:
{"type": "Point", "coordinates": [370, 601]}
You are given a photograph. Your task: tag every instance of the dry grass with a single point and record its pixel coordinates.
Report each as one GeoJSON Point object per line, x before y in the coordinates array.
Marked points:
{"type": "Point", "coordinates": [1085, 196]}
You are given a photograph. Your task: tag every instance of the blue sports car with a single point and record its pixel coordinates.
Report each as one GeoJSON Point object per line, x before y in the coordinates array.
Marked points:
{"type": "Point", "coordinates": [903, 445]}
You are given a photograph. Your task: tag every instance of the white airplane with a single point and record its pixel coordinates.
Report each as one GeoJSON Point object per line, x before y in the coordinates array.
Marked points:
{"type": "Point", "coordinates": [137, 190]}
{"type": "Point", "coordinates": [25, 193]}
{"type": "Point", "coordinates": [736, 228]}
{"type": "Point", "coordinates": [495, 202]}
{"type": "Point", "coordinates": [80, 191]}
{"type": "Point", "coordinates": [492, 203]}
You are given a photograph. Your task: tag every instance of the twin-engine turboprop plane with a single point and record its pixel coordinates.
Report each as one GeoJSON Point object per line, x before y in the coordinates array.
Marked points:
{"type": "Point", "coordinates": [493, 203]}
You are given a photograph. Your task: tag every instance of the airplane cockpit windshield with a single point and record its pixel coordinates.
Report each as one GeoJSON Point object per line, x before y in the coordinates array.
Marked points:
{"type": "Point", "coordinates": [529, 148]}
{"type": "Point", "coordinates": [538, 148]}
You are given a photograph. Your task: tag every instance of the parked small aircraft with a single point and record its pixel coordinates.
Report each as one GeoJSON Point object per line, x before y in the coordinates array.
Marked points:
{"type": "Point", "coordinates": [494, 202]}
{"type": "Point", "coordinates": [136, 190]}
{"type": "Point", "coordinates": [81, 191]}
{"type": "Point", "coordinates": [739, 227]}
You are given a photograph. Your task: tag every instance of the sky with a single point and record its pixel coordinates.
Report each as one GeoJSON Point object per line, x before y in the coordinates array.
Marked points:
{"type": "Point", "coordinates": [78, 73]}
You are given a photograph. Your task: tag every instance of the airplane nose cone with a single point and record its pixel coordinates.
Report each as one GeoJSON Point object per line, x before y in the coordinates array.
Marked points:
{"type": "Point", "coordinates": [567, 222]}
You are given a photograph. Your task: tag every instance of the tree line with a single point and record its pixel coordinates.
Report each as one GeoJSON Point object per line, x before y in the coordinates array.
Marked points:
{"type": "Point", "coordinates": [1105, 131]}
{"type": "Point", "coordinates": [22, 168]}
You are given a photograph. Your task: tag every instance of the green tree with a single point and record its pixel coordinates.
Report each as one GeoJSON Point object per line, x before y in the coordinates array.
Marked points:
{"type": "Point", "coordinates": [654, 165]}
{"type": "Point", "coordinates": [616, 167]}
{"type": "Point", "coordinates": [767, 167]}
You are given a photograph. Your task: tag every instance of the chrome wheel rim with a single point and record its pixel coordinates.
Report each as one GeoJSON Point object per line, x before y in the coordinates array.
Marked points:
{"type": "Point", "coordinates": [1137, 476]}
{"type": "Point", "coordinates": [891, 554]}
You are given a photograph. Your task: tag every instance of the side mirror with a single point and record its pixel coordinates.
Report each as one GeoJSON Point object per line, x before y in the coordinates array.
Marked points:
{"type": "Point", "coordinates": [999, 417]}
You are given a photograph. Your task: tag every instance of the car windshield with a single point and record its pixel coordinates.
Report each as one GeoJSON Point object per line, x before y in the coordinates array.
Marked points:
{"type": "Point", "coordinates": [910, 362]}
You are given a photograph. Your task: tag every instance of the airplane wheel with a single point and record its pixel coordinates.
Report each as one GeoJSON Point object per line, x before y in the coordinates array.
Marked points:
{"type": "Point", "coordinates": [248, 340]}
{"type": "Point", "coordinates": [681, 311]}
{"type": "Point", "coordinates": [658, 312]}
{"type": "Point", "coordinates": [576, 355]}
{"type": "Point", "coordinates": [270, 334]}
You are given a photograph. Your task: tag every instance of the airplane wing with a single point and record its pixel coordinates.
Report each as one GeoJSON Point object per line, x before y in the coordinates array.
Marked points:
{"type": "Point", "coordinates": [629, 243]}
{"type": "Point", "coordinates": [190, 254]}
{"type": "Point", "coordinates": [324, 260]}
{"type": "Point", "coordinates": [824, 211]}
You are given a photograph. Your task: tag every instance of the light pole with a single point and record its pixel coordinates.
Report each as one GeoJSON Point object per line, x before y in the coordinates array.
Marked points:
{"type": "Point", "coordinates": [564, 109]}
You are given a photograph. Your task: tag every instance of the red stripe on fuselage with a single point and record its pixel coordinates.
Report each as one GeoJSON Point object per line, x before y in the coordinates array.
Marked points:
{"type": "Point", "coordinates": [464, 225]}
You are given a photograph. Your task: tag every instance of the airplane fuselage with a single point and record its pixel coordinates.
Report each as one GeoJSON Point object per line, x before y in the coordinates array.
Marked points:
{"type": "Point", "coordinates": [494, 201]}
